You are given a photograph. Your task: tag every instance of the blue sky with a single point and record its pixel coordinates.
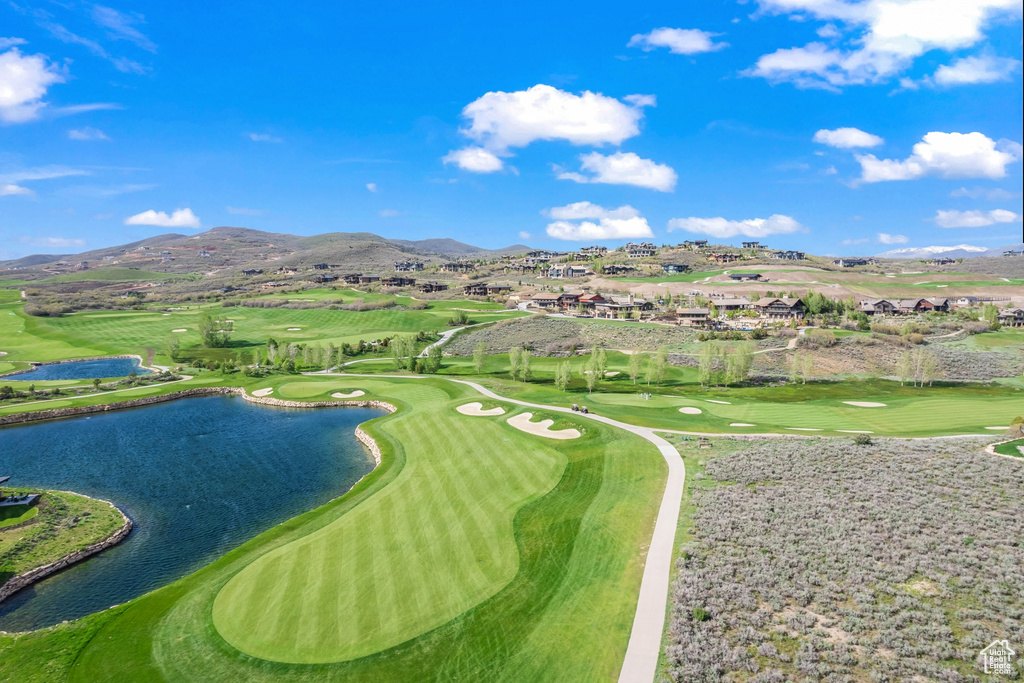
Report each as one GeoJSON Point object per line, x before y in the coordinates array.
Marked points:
{"type": "Point", "coordinates": [834, 126]}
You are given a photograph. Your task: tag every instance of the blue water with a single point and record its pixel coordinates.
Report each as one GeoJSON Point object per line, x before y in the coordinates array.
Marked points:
{"type": "Point", "coordinates": [82, 369]}
{"type": "Point", "coordinates": [197, 477]}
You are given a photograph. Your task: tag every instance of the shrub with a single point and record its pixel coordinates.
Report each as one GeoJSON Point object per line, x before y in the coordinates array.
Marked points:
{"type": "Point", "coordinates": [700, 614]}
{"type": "Point", "coordinates": [913, 338]}
{"type": "Point", "coordinates": [862, 439]}
{"type": "Point", "coordinates": [976, 327]}
{"type": "Point", "coordinates": [882, 328]}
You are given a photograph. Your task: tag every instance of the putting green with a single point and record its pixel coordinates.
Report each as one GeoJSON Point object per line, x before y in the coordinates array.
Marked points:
{"type": "Point", "coordinates": [433, 544]}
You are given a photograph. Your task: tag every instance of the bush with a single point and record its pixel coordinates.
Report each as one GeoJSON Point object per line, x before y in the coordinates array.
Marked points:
{"type": "Point", "coordinates": [700, 614]}
{"type": "Point", "coordinates": [976, 327]}
{"type": "Point", "coordinates": [862, 439]}
{"type": "Point", "coordinates": [913, 327]}
{"type": "Point", "coordinates": [913, 338]}
{"type": "Point", "coordinates": [882, 328]}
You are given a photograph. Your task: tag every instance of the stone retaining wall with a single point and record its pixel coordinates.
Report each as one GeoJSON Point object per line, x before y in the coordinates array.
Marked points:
{"type": "Point", "coordinates": [15, 584]}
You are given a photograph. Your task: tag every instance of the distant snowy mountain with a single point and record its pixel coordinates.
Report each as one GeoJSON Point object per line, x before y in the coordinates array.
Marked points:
{"type": "Point", "coordinates": [958, 251]}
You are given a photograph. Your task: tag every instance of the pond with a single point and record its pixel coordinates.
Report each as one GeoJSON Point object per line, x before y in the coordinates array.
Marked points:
{"type": "Point", "coordinates": [197, 477]}
{"type": "Point", "coordinates": [101, 368]}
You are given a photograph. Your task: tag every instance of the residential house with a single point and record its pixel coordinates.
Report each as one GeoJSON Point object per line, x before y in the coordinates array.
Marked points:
{"type": "Point", "coordinates": [878, 307]}
{"type": "Point", "coordinates": [942, 261]}
{"type": "Point", "coordinates": [753, 245]}
{"type": "Point", "coordinates": [693, 316]}
{"type": "Point", "coordinates": [351, 278]}
{"type": "Point", "coordinates": [368, 279]}
{"type": "Point", "coordinates": [457, 267]}
{"type": "Point", "coordinates": [852, 262]}
{"type": "Point", "coordinates": [430, 286]}
{"type": "Point", "coordinates": [621, 306]}
{"type": "Point", "coordinates": [672, 268]}
{"type": "Point", "coordinates": [907, 306]}
{"type": "Point", "coordinates": [408, 266]}
{"type": "Point", "coordinates": [324, 279]}
{"type": "Point", "coordinates": [398, 281]}
{"type": "Point", "coordinates": [939, 305]}
{"type": "Point", "coordinates": [724, 257]}
{"type": "Point", "coordinates": [1014, 252]}
{"type": "Point", "coordinates": [641, 250]}
{"type": "Point", "coordinates": [695, 244]}
{"type": "Point", "coordinates": [780, 308]}
{"type": "Point", "coordinates": [1011, 317]}
{"type": "Point", "coordinates": [547, 301]}
{"type": "Point", "coordinates": [731, 304]}
{"type": "Point", "coordinates": [589, 301]}
{"type": "Point", "coordinates": [569, 299]}
{"type": "Point", "coordinates": [252, 271]}
{"type": "Point", "coordinates": [493, 290]}
{"type": "Point", "coordinates": [594, 251]}
{"type": "Point", "coordinates": [789, 255]}
{"type": "Point", "coordinates": [967, 302]}
{"type": "Point", "coordinates": [562, 270]}
{"type": "Point", "coordinates": [321, 266]}
{"type": "Point", "coordinates": [617, 269]}
{"type": "Point", "coordinates": [744, 277]}
{"type": "Point", "coordinates": [484, 289]}
{"type": "Point", "coordinates": [287, 270]}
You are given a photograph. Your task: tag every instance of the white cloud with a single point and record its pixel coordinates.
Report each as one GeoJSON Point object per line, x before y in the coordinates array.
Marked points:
{"type": "Point", "coordinates": [11, 190]}
{"type": "Point", "coordinates": [24, 80]}
{"type": "Point", "coordinates": [975, 219]}
{"type": "Point", "coordinates": [243, 211]}
{"type": "Point", "coordinates": [500, 120]}
{"type": "Point", "coordinates": [947, 155]}
{"type": "Point", "coordinates": [87, 133]}
{"type": "Point", "coordinates": [722, 228]}
{"type": "Point", "coordinates": [523, 235]}
{"type": "Point", "coordinates": [847, 138]}
{"type": "Point", "coordinates": [679, 41]}
{"type": "Point", "coordinates": [474, 159]}
{"type": "Point", "coordinates": [851, 242]}
{"type": "Point", "coordinates": [180, 218]}
{"type": "Point", "coordinates": [624, 168]}
{"type": "Point", "coordinates": [888, 34]}
{"type": "Point", "coordinates": [11, 42]}
{"type": "Point", "coordinates": [121, 26]}
{"type": "Point", "coordinates": [586, 221]}
{"type": "Point", "coordinates": [389, 213]}
{"type": "Point", "coordinates": [58, 242]}
{"type": "Point", "coordinates": [886, 238]}
{"type": "Point", "coordinates": [995, 194]}
{"type": "Point", "coordinates": [372, 187]}
{"type": "Point", "coordinates": [981, 69]}
{"type": "Point", "coordinates": [262, 137]}
{"type": "Point", "coordinates": [40, 173]}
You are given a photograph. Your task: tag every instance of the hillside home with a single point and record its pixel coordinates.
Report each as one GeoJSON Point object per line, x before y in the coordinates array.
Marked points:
{"type": "Point", "coordinates": [939, 305]}
{"type": "Point", "coordinates": [753, 245]}
{"type": "Point", "coordinates": [547, 301]}
{"type": "Point", "coordinates": [942, 261]}
{"type": "Point", "coordinates": [589, 301]}
{"type": "Point", "coordinates": [562, 270]}
{"type": "Point", "coordinates": [617, 269]}
{"type": "Point", "coordinates": [731, 304]}
{"type": "Point", "coordinates": [641, 250]}
{"type": "Point", "coordinates": [693, 316]}
{"type": "Point", "coordinates": [594, 251]}
{"type": "Point", "coordinates": [878, 307]}
{"type": "Point", "coordinates": [398, 281]}
{"type": "Point", "coordinates": [351, 278]}
{"type": "Point", "coordinates": [724, 257]}
{"type": "Point", "coordinates": [484, 289]}
{"type": "Point", "coordinates": [1014, 252]}
{"type": "Point", "coordinates": [324, 279]}
{"type": "Point", "coordinates": [252, 271]}
{"type": "Point", "coordinates": [321, 266]}
{"type": "Point", "coordinates": [569, 299]}
{"type": "Point", "coordinates": [430, 286]}
{"type": "Point", "coordinates": [621, 306]}
{"type": "Point", "coordinates": [695, 244]}
{"type": "Point", "coordinates": [457, 267]}
{"type": "Point", "coordinates": [672, 268]}
{"type": "Point", "coordinates": [967, 302]}
{"type": "Point", "coordinates": [853, 262]}
{"type": "Point", "coordinates": [368, 279]}
{"type": "Point", "coordinates": [780, 308]}
{"type": "Point", "coordinates": [1011, 317]}
{"type": "Point", "coordinates": [744, 277]}
{"type": "Point", "coordinates": [789, 255]}
{"type": "Point", "coordinates": [287, 270]}
{"type": "Point", "coordinates": [408, 266]}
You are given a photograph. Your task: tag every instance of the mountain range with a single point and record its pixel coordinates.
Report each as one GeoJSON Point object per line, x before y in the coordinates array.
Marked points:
{"type": "Point", "coordinates": [958, 251]}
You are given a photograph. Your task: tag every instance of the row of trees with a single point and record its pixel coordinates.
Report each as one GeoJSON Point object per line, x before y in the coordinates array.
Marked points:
{"type": "Point", "coordinates": [718, 367]}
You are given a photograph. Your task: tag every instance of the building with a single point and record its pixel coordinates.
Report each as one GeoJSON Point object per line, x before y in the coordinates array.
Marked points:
{"type": "Point", "coordinates": [594, 251]}
{"type": "Point", "coordinates": [967, 302]}
{"type": "Point", "coordinates": [744, 277]}
{"type": "Point", "coordinates": [324, 279]}
{"type": "Point", "coordinates": [351, 278]}
{"type": "Point", "coordinates": [252, 271]}
{"type": "Point", "coordinates": [493, 290]}
{"type": "Point", "coordinates": [561, 271]}
{"type": "Point", "coordinates": [408, 266]}
{"type": "Point", "coordinates": [1014, 252]}
{"type": "Point", "coordinates": [753, 245]}
{"type": "Point", "coordinates": [639, 250]}
{"type": "Point", "coordinates": [724, 257]}
{"type": "Point", "coordinates": [321, 266]}
{"type": "Point", "coordinates": [878, 307]}
{"type": "Point", "coordinates": [731, 304]}
{"type": "Point", "coordinates": [430, 286]}
{"type": "Point", "coordinates": [939, 305]}
{"type": "Point", "coordinates": [853, 262]}
{"type": "Point", "coordinates": [617, 269]}
{"type": "Point", "coordinates": [457, 267]}
{"type": "Point", "coordinates": [484, 289]}
{"type": "Point", "coordinates": [621, 306]}
{"type": "Point", "coordinates": [287, 270]}
{"type": "Point", "coordinates": [398, 281]}
{"type": "Point", "coordinates": [789, 255]}
{"type": "Point", "coordinates": [780, 308]}
{"type": "Point", "coordinates": [942, 261]}
{"type": "Point", "coordinates": [368, 279]}
{"type": "Point", "coordinates": [589, 301]}
{"type": "Point", "coordinates": [672, 268]}
{"type": "Point", "coordinates": [695, 244]}
{"type": "Point", "coordinates": [547, 301]}
{"type": "Point", "coordinates": [1011, 317]}
{"type": "Point", "coordinates": [907, 306]}
{"type": "Point", "coordinates": [693, 316]}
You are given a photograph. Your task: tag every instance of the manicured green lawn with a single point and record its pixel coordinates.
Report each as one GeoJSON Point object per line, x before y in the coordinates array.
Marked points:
{"type": "Point", "coordinates": [10, 516]}
{"type": "Point", "coordinates": [1011, 448]}
{"type": "Point", "coordinates": [474, 552]}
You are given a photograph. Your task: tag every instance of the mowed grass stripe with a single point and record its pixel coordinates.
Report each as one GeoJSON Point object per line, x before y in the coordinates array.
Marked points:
{"type": "Point", "coordinates": [433, 544]}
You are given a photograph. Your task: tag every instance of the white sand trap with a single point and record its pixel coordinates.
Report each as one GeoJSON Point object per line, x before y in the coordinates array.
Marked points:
{"type": "Point", "coordinates": [165, 314]}
{"type": "Point", "coordinates": [180, 329]}
{"type": "Point", "coordinates": [865, 404]}
{"type": "Point", "coordinates": [351, 394]}
{"type": "Point", "coordinates": [523, 424]}
{"type": "Point", "coordinates": [294, 329]}
{"type": "Point", "coordinates": [724, 403]}
{"type": "Point", "coordinates": [613, 373]}
{"type": "Point", "coordinates": [940, 286]}
{"type": "Point", "coordinates": [263, 392]}
{"type": "Point", "coordinates": [803, 429]}
{"type": "Point", "coordinates": [687, 410]}
{"type": "Point", "coordinates": [996, 428]}
{"type": "Point", "coordinates": [741, 424]}
{"type": "Point", "coordinates": [854, 431]}
{"type": "Point", "coordinates": [475, 409]}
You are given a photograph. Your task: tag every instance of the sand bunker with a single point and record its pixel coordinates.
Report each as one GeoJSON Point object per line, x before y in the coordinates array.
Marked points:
{"type": "Point", "coordinates": [864, 404]}
{"type": "Point", "coordinates": [613, 373]}
{"type": "Point", "coordinates": [180, 329]}
{"type": "Point", "coordinates": [263, 392]}
{"type": "Point", "coordinates": [854, 431]}
{"type": "Point", "coordinates": [741, 424]}
{"type": "Point", "coordinates": [351, 394]}
{"type": "Point", "coordinates": [687, 410]}
{"type": "Point", "coordinates": [165, 314]}
{"type": "Point", "coordinates": [724, 403]}
{"type": "Point", "coordinates": [803, 429]}
{"type": "Point", "coordinates": [475, 409]}
{"type": "Point", "coordinates": [996, 428]}
{"type": "Point", "coordinates": [294, 329]}
{"type": "Point", "coordinates": [523, 424]}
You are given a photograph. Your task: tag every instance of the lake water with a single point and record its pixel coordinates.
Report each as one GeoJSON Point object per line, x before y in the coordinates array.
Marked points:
{"type": "Point", "coordinates": [197, 477]}
{"type": "Point", "coordinates": [83, 369]}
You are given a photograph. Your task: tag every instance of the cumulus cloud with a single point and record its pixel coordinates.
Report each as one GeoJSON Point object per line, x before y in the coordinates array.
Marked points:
{"type": "Point", "coordinates": [889, 35]}
{"type": "Point", "coordinates": [24, 80]}
{"type": "Point", "coordinates": [847, 138]}
{"type": "Point", "coordinates": [10, 190]}
{"type": "Point", "coordinates": [474, 159]}
{"type": "Point", "coordinates": [679, 41]}
{"type": "Point", "coordinates": [523, 235]}
{"type": "Point", "coordinates": [86, 134]}
{"type": "Point", "coordinates": [722, 228]}
{"type": "Point", "coordinates": [980, 69]}
{"type": "Point", "coordinates": [587, 221]}
{"type": "Point", "coordinates": [263, 137]}
{"type": "Point", "coordinates": [372, 187]}
{"type": "Point", "coordinates": [947, 155]}
{"type": "Point", "coordinates": [886, 238]}
{"type": "Point", "coordinates": [623, 168]}
{"type": "Point", "coordinates": [975, 219]}
{"type": "Point", "coordinates": [58, 242]}
{"type": "Point", "coordinates": [180, 218]}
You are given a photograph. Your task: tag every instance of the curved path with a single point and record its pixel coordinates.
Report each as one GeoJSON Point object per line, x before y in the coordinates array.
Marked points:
{"type": "Point", "coordinates": [641, 662]}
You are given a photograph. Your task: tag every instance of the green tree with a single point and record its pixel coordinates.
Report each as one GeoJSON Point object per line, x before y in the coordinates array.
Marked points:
{"type": "Point", "coordinates": [214, 331]}
{"type": "Point", "coordinates": [601, 359]}
{"type": "Point", "coordinates": [634, 364]}
{"type": "Point", "coordinates": [479, 357]}
{"type": "Point", "coordinates": [525, 373]}
{"type": "Point", "coordinates": [904, 367]}
{"type": "Point", "coordinates": [96, 383]}
{"type": "Point", "coordinates": [706, 363]}
{"type": "Point", "coordinates": [590, 374]}
{"type": "Point", "coordinates": [172, 346]}
{"type": "Point", "coordinates": [433, 360]}
{"type": "Point", "coordinates": [739, 363]}
{"type": "Point", "coordinates": [563, 374]}
{"type": "Point", "coordinates": [657, 366]}
{"type": "Point", "coordinates": [515, 355]}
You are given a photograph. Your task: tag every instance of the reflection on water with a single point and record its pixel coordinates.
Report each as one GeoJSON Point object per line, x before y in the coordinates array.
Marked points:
{"type": "Point", "coordinates": [82, 369]}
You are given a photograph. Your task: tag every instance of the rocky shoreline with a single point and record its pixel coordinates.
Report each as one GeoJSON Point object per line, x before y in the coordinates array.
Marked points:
{"type": "Point", "coordinates": [142, 363]}
{"type": "Point", "coordinates": [15, 584]}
